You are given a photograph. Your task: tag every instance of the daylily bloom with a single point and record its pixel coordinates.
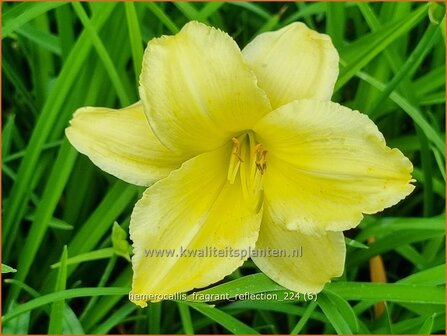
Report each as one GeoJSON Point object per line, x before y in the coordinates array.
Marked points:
{"type": "Point", "coordinates": [242, 149]}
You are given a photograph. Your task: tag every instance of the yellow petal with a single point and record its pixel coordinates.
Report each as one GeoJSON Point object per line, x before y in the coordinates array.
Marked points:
{"type": "Point", "coordinates": [303, 263]}
{"type": "Point", "coordinates": [193, 209]}
{"type": "Point", "coordinates": [197, 90]}
{"type": "Point", "coordinates": [292, 63]}
{"type": "Point", "coordinates": [121, 143]}
{"type": "Point", "coordinates": [327, 165]}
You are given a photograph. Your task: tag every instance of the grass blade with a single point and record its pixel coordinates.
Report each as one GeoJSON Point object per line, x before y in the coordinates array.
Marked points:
{"type": "Point", "coordinates": [222, 318]}
{"type": "Point", "coordinates": [57, 308]}
{"type": "Point", "coordinates": [427, 327]}
{"type": "Point", "coordinates": [57, 180]}
{"type": "Point", "coordinates": [162, 16]}
{"type": "Point", "coordinates": [103, 54]}
{"type": "Point", "coordinates": [49, 114]}
{"type": "Point", "coordinates": [89, 256]}
{"type": "Point", "coordinates": [8, 269]}
{"type": "Point", "coordinates": [115, 319]}
{"type": "Point", "coordinates": [154, 316]}
{"type": "Point", "coordinates": [23, 13]}
{"type": "Point", "coordinates": [185, 315]}
{"type": "Point", "coordinates": [333, 315]}
{"type": "Point", "coordinates": [64, 295]}
{"type": "Point", "coordinates": [411, 110]}
{"type": "Point", "coordinates": [44, 39]}
{"type": "Point", "coordinates": [302, 322]}
{"type": "Point", "coordinates": [256, 283]}
{"type": "Point", "coordinates": [134, 38]}
{"type": "Point", "coordinates": [389, 292]}
{"type": "Point", "coordinates": [338, 312]}
{"type": "Point", "coordinates": [357, 56]}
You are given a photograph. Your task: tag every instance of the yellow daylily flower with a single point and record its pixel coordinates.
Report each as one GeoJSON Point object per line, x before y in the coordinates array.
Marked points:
{"type": "Point", "coordinates": [243, 150]}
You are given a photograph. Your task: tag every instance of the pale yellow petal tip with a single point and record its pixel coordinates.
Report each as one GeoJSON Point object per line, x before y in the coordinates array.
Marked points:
{"type": "Point", "coordinates": [78, 115]}
{"type": "Point", "coordinates": [198, 26]}
{"type": "Point", "coordinates": [85, 112]}
{"type": "Point", "coordinates": [324, 40]}
{"type": "Point", "coordinates": [140, 300]}
{"type": "Point", "coordinates": [140, 303]}
{"type": "Point", "coordinates": [310, 33]}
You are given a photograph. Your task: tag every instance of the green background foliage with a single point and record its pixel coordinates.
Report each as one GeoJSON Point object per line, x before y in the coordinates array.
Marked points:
{"type": "Point", "coordinates": [59, 209]}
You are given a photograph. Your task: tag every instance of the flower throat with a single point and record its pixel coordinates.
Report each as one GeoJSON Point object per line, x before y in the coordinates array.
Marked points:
{"type": "Point", "coordinates": [249, 159]}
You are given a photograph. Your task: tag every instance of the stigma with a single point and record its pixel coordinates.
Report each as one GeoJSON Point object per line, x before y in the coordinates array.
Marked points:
{"type": "Point", "coordinates": [248, 161]}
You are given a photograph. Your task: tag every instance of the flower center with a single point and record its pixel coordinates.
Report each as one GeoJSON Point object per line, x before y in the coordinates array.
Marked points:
{"type": "Point", "coordinates": [249, 159]}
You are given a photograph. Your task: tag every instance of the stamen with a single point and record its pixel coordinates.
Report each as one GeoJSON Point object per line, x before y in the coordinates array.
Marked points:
{"type": "Point", "coordinates": [233, 169]}
{"type": "Point", "coordinates": [236, 158]}
{"type": "Point", "coordinates": [237, 148]}
{"type": "Point", "coordinates": [261, 162]}
{"type": "Point", "coordinates": [250, 159]}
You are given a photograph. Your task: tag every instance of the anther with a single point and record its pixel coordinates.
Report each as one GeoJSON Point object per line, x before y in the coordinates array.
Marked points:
{"type": "Point", "coordinates": [237, 149]}
{"type": "Point", "coordinates": [260, 154]}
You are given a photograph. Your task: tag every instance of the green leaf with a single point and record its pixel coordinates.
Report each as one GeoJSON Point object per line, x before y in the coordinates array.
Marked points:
{"type": "Point", "coordinates": [104, 278]}
{"type": "Point", "coordinates": [71, 325]}
{"type": "Point", "coordinates": [357, 55]}
{"type": "Point", "coordinates": [302, 322]}
{"type": "Point", "coordinates": [119, 241]}
{"type": "Point", "coordinates": [209, 9]}
{"type": "Point", "coordinates": [116, 318]}
{"type": "Point", "coordinates": [18, 325]}
{"type": "Point", "coordinates": [253, 7]}
{"type": "Point", "coordinates": [413, 111]}
{"type": "Point", "coordinates": [44, 39]}
{"type": "Point", "coordinates": [388, 292]}
{"type": "Point", "coordinates": [355, 243]}
{"type": "Point", "coordinates": [412, 325]}
{"type": "Point", "coordinates": [57, 179]}
{"type": "Point", "coordinates": [436, 12]}
{"type": "Point", "coordinates": [407, 69]}
{"type": "Point", "coordinates": [89, 256]}
{"type": "Point", "coordinates": [154, 316]}
{"type": "Point", "coordinates": [114, 202]}
{"type": "Point", "coordinates": [8, 269]}
{"type": "Point", "coordinates": [430, 277]}
{"type": "Point", "coordinates": [390, 242]}
{"type": "Point", "coordinates": [7, 134]}
{"type": "Point", "coordinates": [427, 327]}
{"type": "Point", "coordinates": [57, 308]}
{"type": "Point", "coordinates": [64, 295]}
{"type": "Point", "coordinates": [185, 316]}
{"type": "Point", "coordinates": [335, 23]}
{"type": "Point", "coordinates": [256, 283]}
{"type": "Point", "coordinates": [222, 318]}
{"type": "Point", "coordinates": [431, 81]}
{"type": "Point", "coordinates": [162, 16]}
{"type": "Point", "coordinates": [103, 54]}
{"type": "Point", "coordinates": [338, 312]}
{"type": "Point", "coordinates": [189, 10]}
{"type": "Point", "coordinates": [276, 306]}
{"type": "Point", "coordinates": [135, 40]}
{"type": "Point", "coordinates": [23, 13]}
{"type": "Point", "coordinates": [50, 113]}
{"type": "Point", "coordinates": [54, 223]}
{"type": "Point", "coordinates": [105, 304]}
{"type": "Point", "coordinates": [259, 283]}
